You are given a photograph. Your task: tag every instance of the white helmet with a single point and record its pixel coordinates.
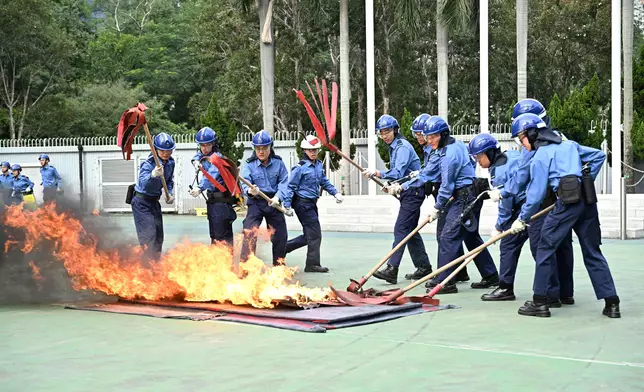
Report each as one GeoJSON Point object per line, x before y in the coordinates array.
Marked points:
{"type": "Point", "coordinates": [311, 143]}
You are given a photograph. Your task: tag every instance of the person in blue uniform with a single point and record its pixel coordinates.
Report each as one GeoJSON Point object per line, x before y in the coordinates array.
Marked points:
{"type": "Point", "coordinates": [147, 192]}
{"type": "Point", "coordinates": [6, 183]}
{"type": "Point", "coordinates": [21, 184]}
{"type": "Point", "coordinates": [268, 174]}
{"type": "Point", "coordinates": [307, 177]}
{"type": "Point", "coordinates": [219, 205]}
{"type": "Point", "coordinates": [562, 285]}
{"type": "Point", "coordinates": [402, 161]}
{"type": "Point", "coordinates": [487, 151]}
{"type": "Point", "coordinates": [51, 180]}
{"type": "Point", "coordinates": [560, 165]}
{"type": "Point", "coordinates": [428, 179]}
{"type": "Point", "coordinates": [457, 177]}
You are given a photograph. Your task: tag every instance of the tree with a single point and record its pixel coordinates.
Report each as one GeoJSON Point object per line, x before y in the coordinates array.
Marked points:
{"type": "Point", "coordinates": [627, 43]}
{"type": "Point", "coordinates": [451, 15]}
{"type": "Point", "coordinates": [36, 56]}
{"type": "Point", "coordinates": [522, 49]}
{"type": "Point", "coordinates": [345, 91]}
{"type": "Point", "coordinates": [226, 131]}
{"type": "Point", "coordinates": [267, 58]}
{"type": "Point", "coordinates": [576, 114]}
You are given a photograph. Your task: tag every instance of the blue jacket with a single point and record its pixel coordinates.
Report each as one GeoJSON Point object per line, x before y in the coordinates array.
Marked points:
{"type": "Point", "coordinates": [456, 170]}
{"type": "Point", "coordinates": [517, 183]}
{"type": "Point", "coordinates": [50, 177]}
{"type": "Point", "coordinates": [22, 183]}
{"type": "Point", "coordinates": [306, 179]}
{"type": "Point", "coordinates": [500, 174]}
{"type": "Point", "coordinates": [431, 171]}
{"type": "Point", "coordinates": [402, 159]}
{"type": "Point", "coordinates": [552, 162]}
{"type": "Point", "coordinates": [271, 178]}
{"type": "Point", "coordinates": [153, 187]}
{"type": "Point", "coordinates": [204, 183]}
{"type": "Point", "coordinates": [6, 181]}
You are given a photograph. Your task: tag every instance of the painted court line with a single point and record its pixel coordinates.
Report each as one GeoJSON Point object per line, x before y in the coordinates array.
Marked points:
{"type": "Point", "coordinates": [495, 351]}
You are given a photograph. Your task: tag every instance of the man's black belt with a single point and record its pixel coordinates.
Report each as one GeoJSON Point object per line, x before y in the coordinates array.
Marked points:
{"type": "Point", "coordinates": [219, 197]}
{"type": "Point", "coordinates": [147, 197]}
{"type": "Point", "coordinates": [464, 191]}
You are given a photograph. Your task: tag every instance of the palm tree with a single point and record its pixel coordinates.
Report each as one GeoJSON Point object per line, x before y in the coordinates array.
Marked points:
{"type": "Point", "coordinates": [522, 49]}
{"type": "Point", "coordinates": [452, 15]}
{"type": "Point", "coordinates": [345, 91]}
{"type": "Point", "coordinates": [267, 58]}
{"type": "Point", "coordinates": [627, 47]}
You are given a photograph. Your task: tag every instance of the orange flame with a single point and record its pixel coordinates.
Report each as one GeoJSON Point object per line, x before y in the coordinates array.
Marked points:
{"type": "Point", "coordinates": [36, 271]}
{"type": "Point", "coordinates": [194, 271]}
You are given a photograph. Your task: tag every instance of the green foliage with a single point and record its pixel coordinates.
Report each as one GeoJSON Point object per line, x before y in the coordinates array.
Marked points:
{"type": "Point", "coordinates": [226, 131]}
{"type": "Point", "coordinates": [637, 137]}
{"type": "Point", "coordinates": [574, 115]}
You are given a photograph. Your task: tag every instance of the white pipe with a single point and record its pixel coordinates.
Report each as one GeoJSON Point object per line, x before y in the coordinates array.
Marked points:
{"type": "Point", "coordinates": [616, 98]}
{"type": "Point", "coordinates": [371, 93]}
{"type": "Point", "coordinates": [483, 66]}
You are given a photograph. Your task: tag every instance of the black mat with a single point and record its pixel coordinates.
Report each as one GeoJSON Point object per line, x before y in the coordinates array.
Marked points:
{"type": "Point", "coordinates": [310, 320]}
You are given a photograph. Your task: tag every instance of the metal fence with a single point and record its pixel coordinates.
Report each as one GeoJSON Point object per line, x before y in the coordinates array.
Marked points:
{"type": "Point", "coordinates": [95, 174]}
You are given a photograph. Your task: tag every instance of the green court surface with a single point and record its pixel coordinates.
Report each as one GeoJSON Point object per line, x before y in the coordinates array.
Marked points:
{"type": "Point", "coordinates": [480, 346]}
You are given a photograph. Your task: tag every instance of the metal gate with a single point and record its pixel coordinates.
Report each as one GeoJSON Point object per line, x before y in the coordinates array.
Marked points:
{"type": "Point", "coordinates": [116, 174]}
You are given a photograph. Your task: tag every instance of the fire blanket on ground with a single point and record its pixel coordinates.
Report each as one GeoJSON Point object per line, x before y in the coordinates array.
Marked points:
{"type": "Point", "coordinates": [318, 319]}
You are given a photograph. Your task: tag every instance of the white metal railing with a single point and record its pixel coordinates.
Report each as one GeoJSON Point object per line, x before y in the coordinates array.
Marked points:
{"type": "Point", "coordinates": [503, 131]}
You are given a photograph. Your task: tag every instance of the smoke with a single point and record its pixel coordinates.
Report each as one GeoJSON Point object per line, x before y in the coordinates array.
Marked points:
{"type": "Point", "coordinates": [38, 277]}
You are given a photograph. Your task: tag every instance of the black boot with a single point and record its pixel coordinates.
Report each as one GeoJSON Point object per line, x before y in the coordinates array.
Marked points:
{"type": "Point", "coordinates": [538, 309]}
{"type": "Point", "coordinates": [316, 268]}
{"type": "Point", "coordinates": [500, 294]}
{"type": "Point", "coordinates": [611, 309]}
{"type": "Point", "coordinates": [450, 288]}
{"type": "Point", "coordinates": [567, 300]}
{"type": "Point", "coordinates": [462, 276]}
{"type": "Point", "coordinates": [432, 283]}
{"type": "Point", "coordinates": [553, 303]}
{"type": "Point", "coordinates": [420, 273]}
{"type": "Point", "coordinates": [389, 274]}
{"type": "Point", "coordinates": [486, 283]}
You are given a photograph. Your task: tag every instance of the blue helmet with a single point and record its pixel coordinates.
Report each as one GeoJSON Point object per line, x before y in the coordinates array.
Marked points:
{"type": "Point", "coordinates": [262, 138]}
{"type": "Point", "coordinates": [43, 156]}
{"type": "Point", "coordinates": [385, 122]}
{"type": "Point", "coordinates": [164, 142]}
{"type": "Point", "coordinates": [435, 124]}
{"type": "Point", "coordinates": [482, 143]}
{"type": "Point", "coordinates": [419, 123]}
{"type": "Point", "coordinates": [528, 105]}
{"type": "Point", "coordinates": [526, 122]}
{"type": "Point", "coordinates": [16, 166]}
{"type": "Point", "coordinates": [5, 164]}
{"type": "Point", "coordinates": [206, 135]}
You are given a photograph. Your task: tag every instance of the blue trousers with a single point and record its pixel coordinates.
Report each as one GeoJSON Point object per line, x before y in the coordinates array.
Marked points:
{"type": "Point", "coordinates": [220, 222]}
{"type": "Point", "coordinates": [561, 281]}
{"type": "Point", "coordinates": [452, 234]}
{"type": "Point", "coordinates": [149, 225]}
{"type": "Point", "coordinates": [258, 209]}
{"type": "Point", "coordinates": [49, 194]}
{"type": "Point", "coordinates": [406, 222]}
{"type": "Point", "coordinates": [510, 247]}
{"type": "Point", "coordinates": [307, 213]}
{"type": "Point", "coordinates": [584, 220]}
